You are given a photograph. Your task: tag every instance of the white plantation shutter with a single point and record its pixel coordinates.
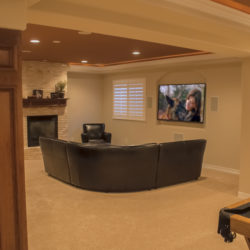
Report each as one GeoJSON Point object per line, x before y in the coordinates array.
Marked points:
{"type": "Point", "coordinates": [129, 99]}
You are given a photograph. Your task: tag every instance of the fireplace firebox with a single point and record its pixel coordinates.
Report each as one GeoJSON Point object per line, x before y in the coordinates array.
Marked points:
{"type": "Point", "coordinates": [46, 126]}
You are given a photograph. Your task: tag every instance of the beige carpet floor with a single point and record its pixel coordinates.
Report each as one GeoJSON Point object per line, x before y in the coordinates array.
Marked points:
{"type": "Point", "coordinates": [180, 217]}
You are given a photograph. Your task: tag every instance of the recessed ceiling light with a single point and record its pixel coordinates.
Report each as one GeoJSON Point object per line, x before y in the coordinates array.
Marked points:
{"type": "Point", "coordinates": [34, 41]}
{"type": "Point", "coordinates": [56, 41]}
{"type": "Point", "coordinates": [84, 32]}
{"type": "Point", "coordinates": [26, 51]}
{"type": "Point", "coordinates": [136, 52]}
{"type": "Point", "coordinates": [84, 61]}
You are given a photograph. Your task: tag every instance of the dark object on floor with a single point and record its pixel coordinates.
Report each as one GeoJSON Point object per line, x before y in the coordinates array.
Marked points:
{"type": "Point", "coordinates": [109, 168]}
{"type": "Point", "coordinates": [235, 219]}
{"type": "Point", "coordinates": [95, 132]}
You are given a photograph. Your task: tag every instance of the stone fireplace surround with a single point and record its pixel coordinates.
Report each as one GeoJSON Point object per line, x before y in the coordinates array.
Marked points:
{"type": "Point", "coordinates": [32, 153]}
{"type": "Point", "coordinates": [43, 75]}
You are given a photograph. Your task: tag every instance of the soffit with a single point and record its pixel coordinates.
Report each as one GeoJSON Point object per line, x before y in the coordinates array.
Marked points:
{"type": "Point", "coordinates": [97, 49]}
{"type": "Point", "coordinates": [201, 25]}
{"type": "Point", "coordinates": [241, 5]}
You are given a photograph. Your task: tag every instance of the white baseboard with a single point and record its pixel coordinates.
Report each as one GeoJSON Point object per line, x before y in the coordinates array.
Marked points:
{"type": "Point", "coordinates": [243, 195]}
{"type": "Point", "coordinates": [221, 169]}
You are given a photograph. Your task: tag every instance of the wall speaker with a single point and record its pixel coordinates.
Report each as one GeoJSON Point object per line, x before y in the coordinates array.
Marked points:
{"type": "Point", "coordinates": [149, 102]}
{"type": "Point", "coordinates": [214, 102]}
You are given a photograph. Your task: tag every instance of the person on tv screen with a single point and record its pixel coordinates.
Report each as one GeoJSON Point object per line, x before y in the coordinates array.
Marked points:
{"type": "Point", "coordinates": [193, 106]}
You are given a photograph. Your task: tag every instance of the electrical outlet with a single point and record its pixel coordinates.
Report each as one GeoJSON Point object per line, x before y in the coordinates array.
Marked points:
{"type": "Point", "coordinates": [178, 137]}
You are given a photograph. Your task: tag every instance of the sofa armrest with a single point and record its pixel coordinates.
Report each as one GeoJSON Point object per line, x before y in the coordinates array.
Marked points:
{"type": "Point", "coordinates": [107, 137]}
{"type": "Point", "coordinates": [84, 137]}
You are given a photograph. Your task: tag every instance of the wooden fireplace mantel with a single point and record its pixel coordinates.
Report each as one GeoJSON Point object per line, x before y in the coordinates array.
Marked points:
{"type": "Point", "coordinates": [44, 102]}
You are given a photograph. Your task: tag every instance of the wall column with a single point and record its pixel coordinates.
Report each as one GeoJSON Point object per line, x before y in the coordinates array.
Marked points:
{"type": "Point", "coordinates": [244, 184]}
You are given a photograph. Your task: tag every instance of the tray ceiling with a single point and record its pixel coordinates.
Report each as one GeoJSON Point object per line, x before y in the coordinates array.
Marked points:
{"type": "Point", "coordinates": [68, 46]}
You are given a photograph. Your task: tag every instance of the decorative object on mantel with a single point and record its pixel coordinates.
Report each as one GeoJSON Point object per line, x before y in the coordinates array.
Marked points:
{"type": "Point", "coordinates": [59, 88]}
{"type": "Point", "coordinates": [32, 97]}
{"type": "Point", "coordinates": [38, 93]}
{"type": "Point", "coordinates": [44, 102]}
{"type": "Point", "coordinates": [53, 95]}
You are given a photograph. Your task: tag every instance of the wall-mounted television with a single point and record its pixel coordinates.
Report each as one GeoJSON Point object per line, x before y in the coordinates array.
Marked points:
{"type": "Point", "coordinates": [181, 102]}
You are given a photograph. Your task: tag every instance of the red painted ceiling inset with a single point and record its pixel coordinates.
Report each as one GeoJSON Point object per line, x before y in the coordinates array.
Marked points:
{"type": "Point", "coordinates": [97, 49]}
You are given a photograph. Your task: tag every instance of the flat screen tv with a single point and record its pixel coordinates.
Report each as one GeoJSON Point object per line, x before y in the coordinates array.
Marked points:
{"type": "Point", "coordinates": [181, 102]}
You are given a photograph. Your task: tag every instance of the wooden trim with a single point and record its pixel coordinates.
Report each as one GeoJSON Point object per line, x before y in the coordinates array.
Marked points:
{"type": "Point", "coordinates": [144, 60]}
{"type": "Point", "coordinates": [248, 242]}
{"type": "Point", "coordinates": [10, 62]}
{"type": "Point", "coordinates": [235, 5]}
{"type": "Point", "coordinates": [20, 175]}
{"type": "Point", "coordinates": [237, 204]}
{"type": "Point", "coordinates": [7, 178]}
{"type": "Point", "coordinates": [240, 224]}
{"type": "Point", "coordinates": [44, 102]}
{"type": "Point", "coordinates": [13, 225]}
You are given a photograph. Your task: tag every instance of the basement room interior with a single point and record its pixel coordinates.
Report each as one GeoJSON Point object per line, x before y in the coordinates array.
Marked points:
{"type": "Point", "coordinates": [127, 125]}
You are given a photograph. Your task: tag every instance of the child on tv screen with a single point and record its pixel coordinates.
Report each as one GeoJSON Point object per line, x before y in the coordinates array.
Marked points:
{"type": "Point", "coordinates": [181, 102]}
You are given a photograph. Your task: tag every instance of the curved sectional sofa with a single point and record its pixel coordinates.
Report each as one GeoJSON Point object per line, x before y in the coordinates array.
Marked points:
{"type": "Point", "coordinates": [110, 168]}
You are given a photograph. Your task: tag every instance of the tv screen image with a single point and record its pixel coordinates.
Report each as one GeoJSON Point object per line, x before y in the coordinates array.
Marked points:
{"type": "Point", "coordinates": [181, 102]}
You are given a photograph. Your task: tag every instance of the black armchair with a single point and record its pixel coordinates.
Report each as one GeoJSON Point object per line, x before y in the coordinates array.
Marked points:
{"type": "Point", "coordinates": [95, 132]}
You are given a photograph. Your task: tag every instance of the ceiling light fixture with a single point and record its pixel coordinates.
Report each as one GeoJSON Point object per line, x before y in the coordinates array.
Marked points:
{"type": "Point", "coordinates": [84, 61]}
{"type": "Point", "coordinates": [136, 52]}
{"type": "Point", "coordinates": [56, 41]}
{"type": "Point", "coordinates": [84, 32]}
{"type": "Point", "coordinates": [34, 41]}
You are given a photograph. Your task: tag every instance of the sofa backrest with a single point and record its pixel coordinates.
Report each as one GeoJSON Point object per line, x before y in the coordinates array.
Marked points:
{"type": "Point", "coordinates": [94, 130]}
{"type": "Point", "coordinates": [113, 168]}
{"type": "Point", "coordinates": [55, 158]}
{"type": "Point", "coordinates": [179, 161]}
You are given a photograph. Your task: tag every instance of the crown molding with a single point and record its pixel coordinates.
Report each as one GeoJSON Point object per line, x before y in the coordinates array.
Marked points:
{"type": "Point", "coordinates": [144, 59]}
{"type": "Point", "coordinates": [210, 8]}
{"type": "Point", "coordinates": [172, 62]}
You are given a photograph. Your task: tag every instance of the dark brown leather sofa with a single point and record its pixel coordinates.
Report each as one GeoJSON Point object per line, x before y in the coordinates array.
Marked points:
{"type": "Point", "coordinates": [55, 158]}
{"type": "Point", "coordinates": [179, 162]}
{"type": "Point", "coordinates": [113, 168]}
{"type": "Point", "coordinates": [110, 168]}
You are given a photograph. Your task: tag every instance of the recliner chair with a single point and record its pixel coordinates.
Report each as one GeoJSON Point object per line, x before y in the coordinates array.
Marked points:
{"type": "Point", "coordinates": [95, 133]}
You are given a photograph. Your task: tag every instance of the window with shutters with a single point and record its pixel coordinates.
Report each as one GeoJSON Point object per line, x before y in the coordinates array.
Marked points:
{"type": "Point", "coordinates": [129, 99]}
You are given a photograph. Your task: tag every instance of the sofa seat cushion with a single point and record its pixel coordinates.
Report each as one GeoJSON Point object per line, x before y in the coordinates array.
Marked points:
{"type": "Point", "coordinates": [94, 131]}
{"type": "Point", "coordinates": [113, 168]}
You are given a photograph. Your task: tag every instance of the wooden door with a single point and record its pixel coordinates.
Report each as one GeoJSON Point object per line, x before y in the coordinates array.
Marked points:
{"type": "Point", "coordinates": [13, 229]}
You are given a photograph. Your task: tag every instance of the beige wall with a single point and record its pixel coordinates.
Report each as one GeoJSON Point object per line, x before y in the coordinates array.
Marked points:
{"type": "Point", "coordinates": [13, 14]}
{"type": "Point", "coordinates": [85, 92]}
{"type": "Point", "coordinates": [244, 186]}
{"type": "Point", "coordinates": [221, 128]}
{"type": "Point", "coordinates": [42, 75]}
